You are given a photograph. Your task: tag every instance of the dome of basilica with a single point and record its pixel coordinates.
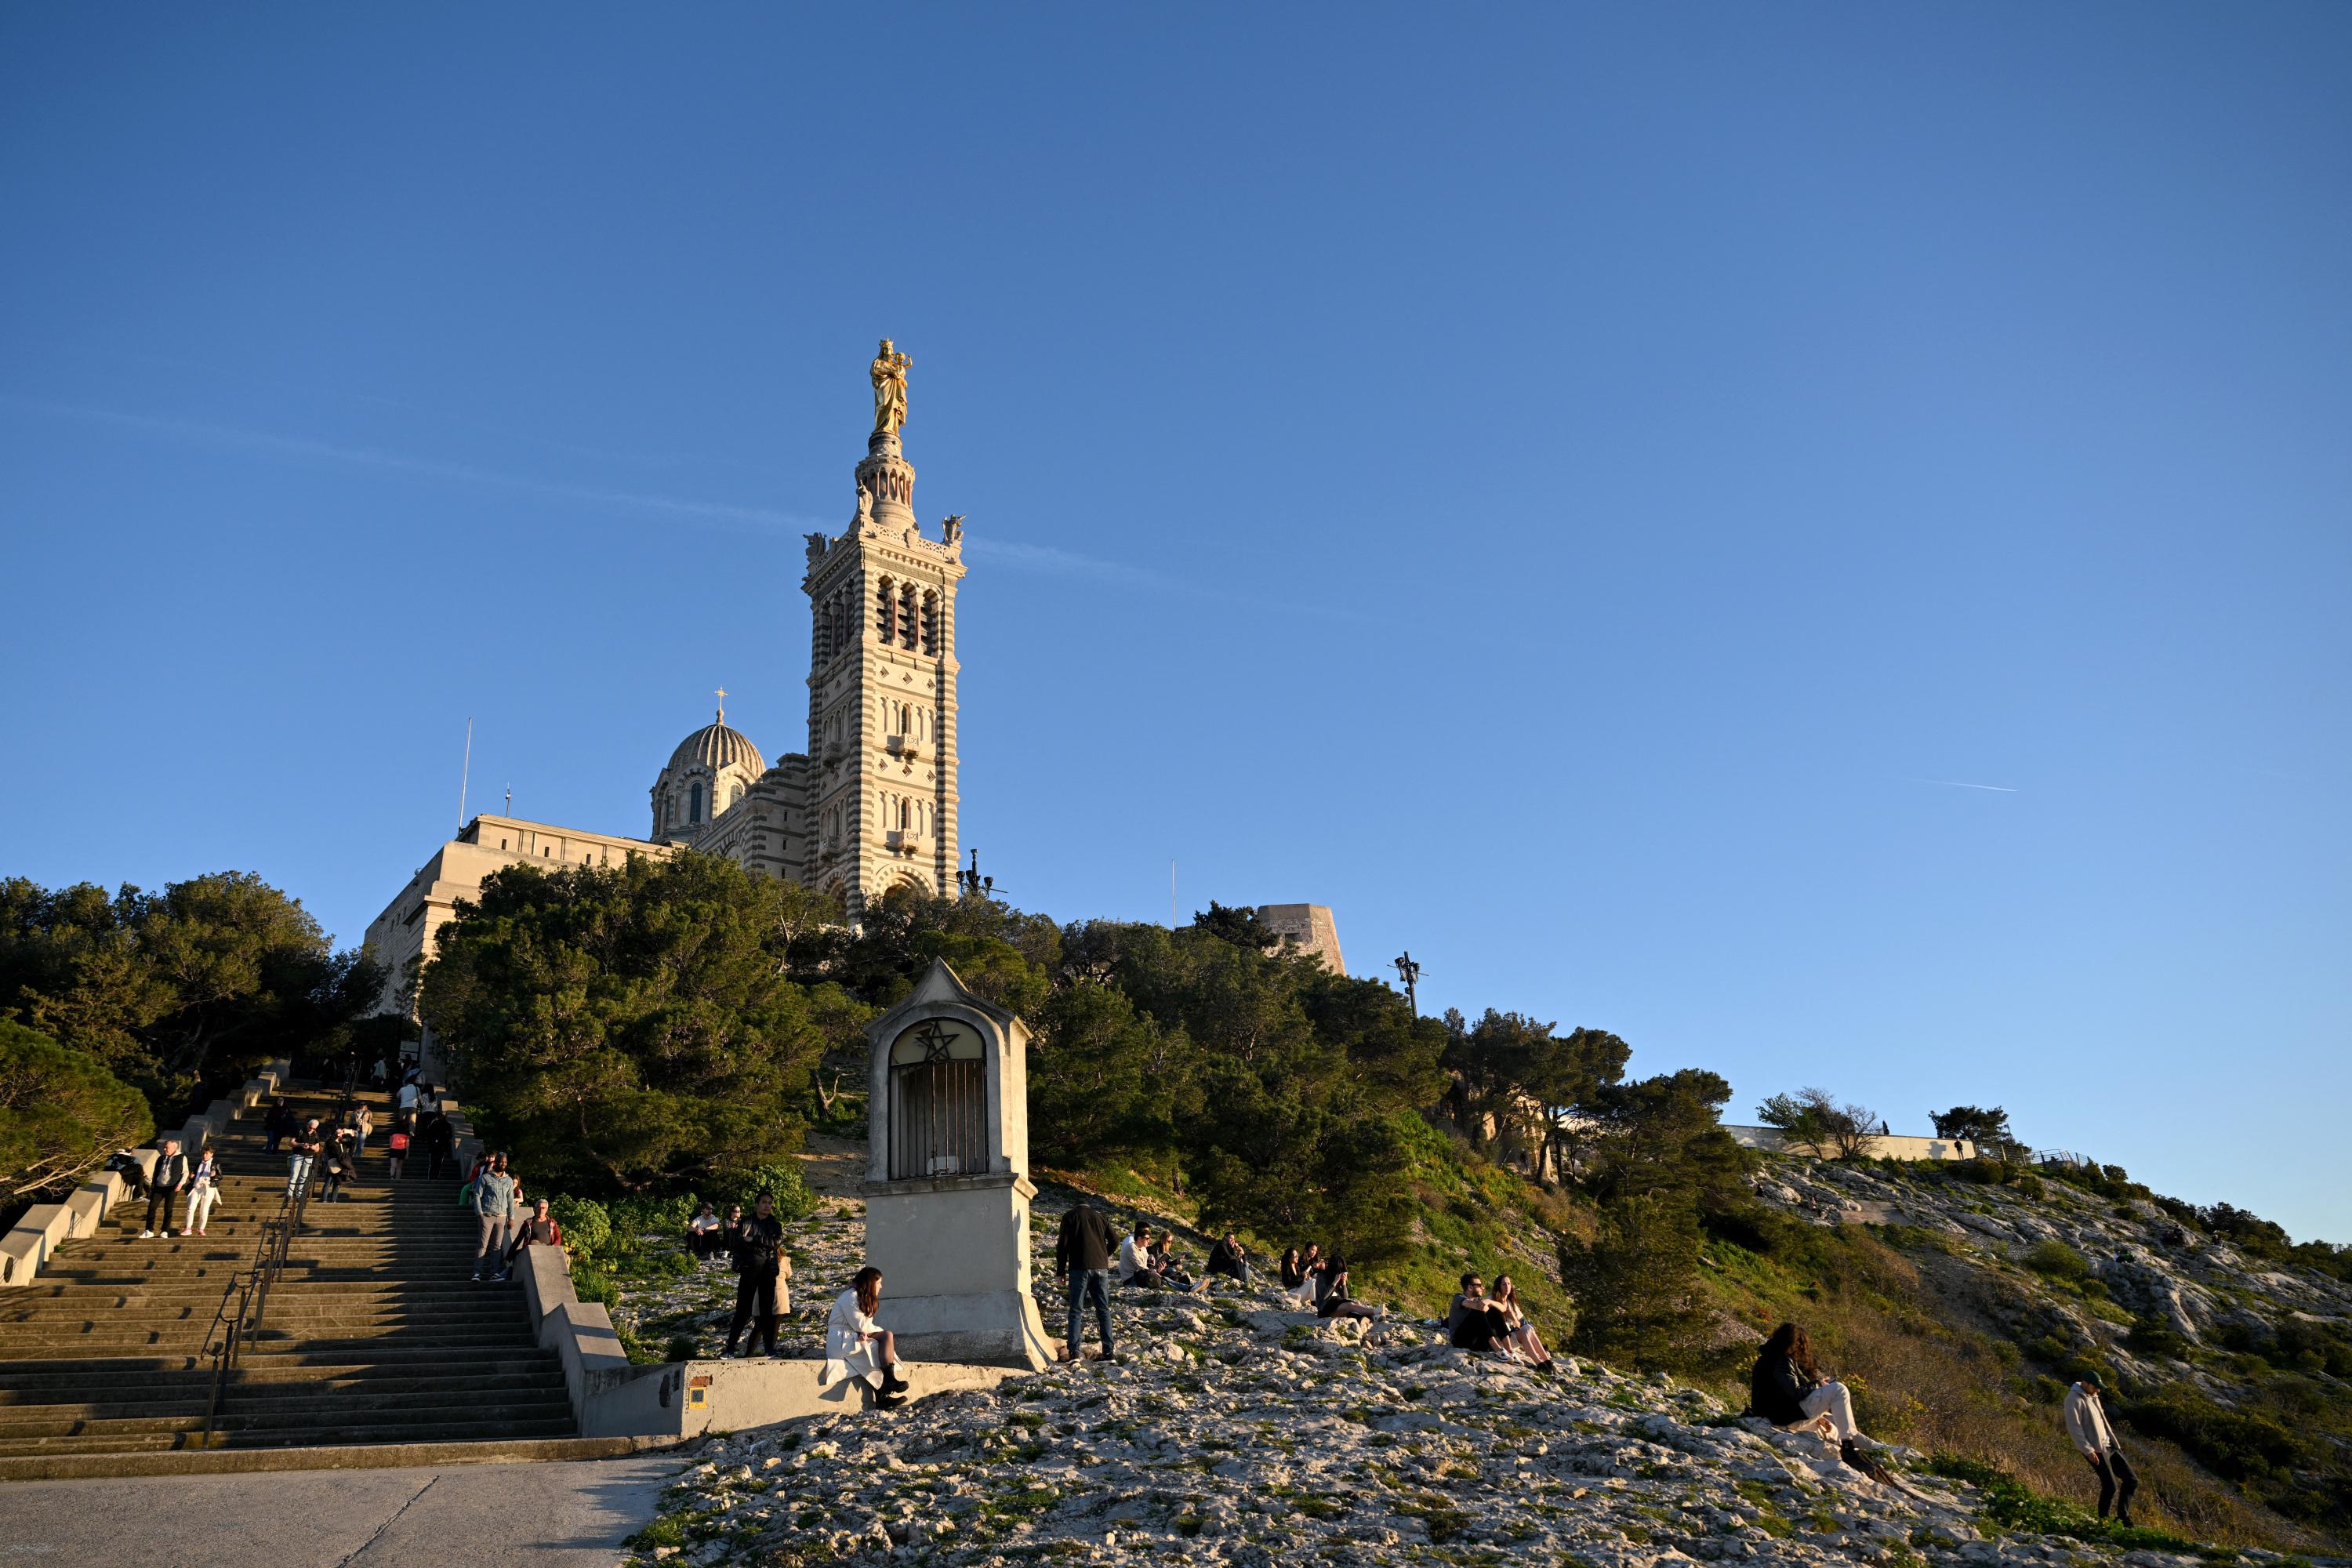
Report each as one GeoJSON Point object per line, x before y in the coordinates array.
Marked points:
{"type": "Point", "coordinates": [716, 746]}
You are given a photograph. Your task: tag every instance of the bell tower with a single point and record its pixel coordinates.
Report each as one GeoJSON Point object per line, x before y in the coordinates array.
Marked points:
{"type": "Point", "coordinates": [882, 679]}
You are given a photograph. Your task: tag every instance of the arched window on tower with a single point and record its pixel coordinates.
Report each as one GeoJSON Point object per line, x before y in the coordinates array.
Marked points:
{"type": "Point", "coordinates": [931, 623]}
{"type": "Point", "coordinates": [694, 802]}
{"type": "Point", "coordinates": [906, 614]}
{"type": "Point", "coordinates": [886, 611]}
{"type": "Point", "coordinates": [735, 796]}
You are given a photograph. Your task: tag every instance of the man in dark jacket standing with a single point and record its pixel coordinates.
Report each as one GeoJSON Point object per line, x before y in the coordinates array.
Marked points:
{"type": "Point", "coordinates": [1084, 1254]}
{"type": "Point", "coordinates": [760, 1267]}
{"type": "Point", "coordinates": [441, 1142]}
{"type": "Point", "coordinates": [171, 1175]}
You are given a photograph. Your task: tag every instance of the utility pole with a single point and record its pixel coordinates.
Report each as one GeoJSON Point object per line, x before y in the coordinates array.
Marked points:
{"type": "Point", "coordinates": [465, 773]}
{"type": "Point", "coordinates": [1409, 971]}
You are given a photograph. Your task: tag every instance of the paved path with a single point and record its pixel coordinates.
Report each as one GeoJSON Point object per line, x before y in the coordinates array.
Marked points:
{"type": "Point", "coordinates": [570, 1515]}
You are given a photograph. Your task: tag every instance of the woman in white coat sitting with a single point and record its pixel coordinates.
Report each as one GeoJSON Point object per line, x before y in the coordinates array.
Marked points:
{"type": "Point", "coordinates": [856, 1346]}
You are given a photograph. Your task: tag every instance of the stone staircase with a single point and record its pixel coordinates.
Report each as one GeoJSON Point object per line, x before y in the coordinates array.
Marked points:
{"type": "Point", "coordinates": [372, 1336]}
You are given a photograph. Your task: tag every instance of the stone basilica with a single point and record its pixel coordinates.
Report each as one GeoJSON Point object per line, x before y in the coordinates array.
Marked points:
{"type": "Point", "coordinates": [871, 806]}
{"type": "Point", "coordinates": [868, 807]}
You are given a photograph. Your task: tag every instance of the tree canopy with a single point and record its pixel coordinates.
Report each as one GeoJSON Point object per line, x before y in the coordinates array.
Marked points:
{"type": "Point", "coordinates": [179, 991]}
{"type": "Point", "coordinates": [625, 1027]}
{"type": "Point", "coordinates": [61, 1113]}
{"type": "Point", "coordinates": [637, 1028]}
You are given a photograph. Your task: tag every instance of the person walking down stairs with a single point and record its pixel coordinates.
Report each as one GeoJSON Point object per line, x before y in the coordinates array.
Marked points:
{"type": "Point", "coordinates": [304, 1146]}
{"type": "Point", "coordinates": [204, 1191]}
{"type": "Point", "coordinates": [493, 1200]}
{"type": "Point", "coordinates": [163, 1187]}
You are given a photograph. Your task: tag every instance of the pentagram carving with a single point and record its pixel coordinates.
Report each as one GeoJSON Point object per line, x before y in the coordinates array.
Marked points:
{"type": "Point", "coordinates": [935, 1041]}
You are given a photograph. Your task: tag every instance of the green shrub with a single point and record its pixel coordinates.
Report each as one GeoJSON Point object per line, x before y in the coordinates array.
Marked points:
{"type": "Point", "coordinates": [2011, 1504]}
{"type": "Point", "coordinates": [2058, 1262]}
{"type": "Point", "coordinates": [2238, 1445]}
{"type": "Point", "coordinates": [784, 1182]}
{"type": "Point", "coordinates": [587, 1229]}
{"type": "Point", "coordinates": [2154, 1337]}
{"type": "Point", "coordinates": [589, 1283]}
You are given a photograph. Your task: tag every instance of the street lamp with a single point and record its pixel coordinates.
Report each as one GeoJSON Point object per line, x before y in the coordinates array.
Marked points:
{"type": "Point", "coordinates": [1409, 971]}
{"type": "Point", "coordinates": [972, 884]}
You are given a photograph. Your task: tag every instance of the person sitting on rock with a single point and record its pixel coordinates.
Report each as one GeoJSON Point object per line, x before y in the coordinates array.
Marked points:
{"type": "Point", "coordinates": [1226, 1257]}
{"type": "Point", "coordinates": [1519, 1334]}
{"type": "Point", "coordinates": [1173, 1273]}
{"type": "Point", "coordinates": [1311, 1264]}
{"type": "Point", "coordinates": [1337, 1302]}
{"type": "Point", "coordinates": [705, 1232]}
{"type": "Point", "coordinates": [1135, 1258]}
{"type": "Point", "coordinates": [1473, 1323]}
{"type": "Point", "coordinates": [1788, 1389]}
{"type": "Point", "coordinates": [856, 1346]}
{"type": "Point", "coordinates": [2086, 1424]}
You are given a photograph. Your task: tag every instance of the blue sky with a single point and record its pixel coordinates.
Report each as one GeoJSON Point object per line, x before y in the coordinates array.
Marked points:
{"type": "Point", "coordinates": [1813, 537]}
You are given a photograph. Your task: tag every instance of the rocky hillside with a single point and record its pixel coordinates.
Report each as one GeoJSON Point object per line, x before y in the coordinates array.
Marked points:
{"type": "Point", "coordinates": [1963, 1305]}
{"type": "Point", "coordinates": [1234, 1432]}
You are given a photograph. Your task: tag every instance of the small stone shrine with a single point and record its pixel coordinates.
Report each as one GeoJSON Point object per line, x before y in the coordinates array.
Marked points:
{"type": "Point", "coordinates": [947, 1189]}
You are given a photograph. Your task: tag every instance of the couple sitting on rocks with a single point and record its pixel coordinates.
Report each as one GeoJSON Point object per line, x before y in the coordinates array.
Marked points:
{"type": "Point", "coordinates": [1149, 1262]}
{"type": "Point", "coordinates": [1478, 1322]}
{"type": "Point", "coordinates": [1320, 1284]}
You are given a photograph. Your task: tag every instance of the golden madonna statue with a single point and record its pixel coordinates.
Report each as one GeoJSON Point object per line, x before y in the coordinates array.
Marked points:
{"type": "Point", "coordinates": [889, 372]}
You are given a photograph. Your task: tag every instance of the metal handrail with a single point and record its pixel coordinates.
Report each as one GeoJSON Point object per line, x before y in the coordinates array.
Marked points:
{"type": "Point", "coordinates": [250, 1287]}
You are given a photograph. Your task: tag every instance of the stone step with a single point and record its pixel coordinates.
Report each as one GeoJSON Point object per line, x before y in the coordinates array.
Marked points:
{"type": "Point", "coordinates": [332, 1339]}
{"type": "Point", "coordinates": [340, 1321]}
{"type": "Point", "coordinates": [120, 1395]}
{"type": "Point", "coordinates": [454, 1430]}
{"type": "Point", "coordinates": [70, 1376]}
{"type": "Point", "coordinates": [225, 1462]}
{"type": "Point", "coordinates": [376, 1342]}
{"type": "Point", "coordinates": [507, 1412]}
{"type": "Point", "coordinates": [93, 1296]}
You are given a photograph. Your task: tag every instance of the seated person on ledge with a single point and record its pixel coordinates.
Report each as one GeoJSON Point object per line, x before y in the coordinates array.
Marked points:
{"type": "Point", "coordinates": [1226, 1257]}
{"type": "Point", "coordinates": [1337, 1302]}
{"type": "Point", "coordinates": [705, 1232]}
{"type": "Point", "coordinates": [1474, 1323]}
{"type": "Point", "coordinates": [1520, 1334]}
{"type": "Point", "coordinates": [1172, 1274]}
{"type": "Point", "coordinates": [856, 1346]}
{"type": "Point", "coordinates": [1135, 1260]}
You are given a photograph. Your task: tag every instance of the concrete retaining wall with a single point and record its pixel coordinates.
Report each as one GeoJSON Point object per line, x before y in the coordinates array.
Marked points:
{"type": "Point", "coordinates": [611, 1397]}
{"type": "Point", "coordinates": [1894, 1146]}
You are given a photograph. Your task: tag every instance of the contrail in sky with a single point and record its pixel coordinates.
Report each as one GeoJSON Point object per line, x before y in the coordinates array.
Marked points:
{"type": "Point", "coordinates": [1963, 783]}
{"type": "Point", "coordinates": [718, 512]}
{"type": "Point", "coordinates": [1042, 559]}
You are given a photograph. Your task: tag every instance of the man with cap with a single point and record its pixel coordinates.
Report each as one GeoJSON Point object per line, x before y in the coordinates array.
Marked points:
{"type": "Point", "coordinates": [2086, 1424]}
